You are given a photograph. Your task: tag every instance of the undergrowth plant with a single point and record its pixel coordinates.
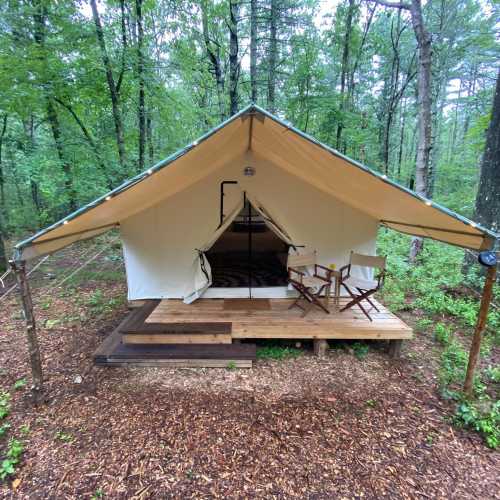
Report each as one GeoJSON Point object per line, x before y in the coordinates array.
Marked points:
{"type": "Point", "coordinates": [12, 452]}
{"type": "Point", "coordinates": [445, 300]}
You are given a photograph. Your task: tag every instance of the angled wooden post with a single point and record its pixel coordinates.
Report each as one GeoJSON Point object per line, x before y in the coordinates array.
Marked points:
{"type": "Point", "coordinates": [19, 267]}
{"type": "Point", "coordinates": [478, 332]}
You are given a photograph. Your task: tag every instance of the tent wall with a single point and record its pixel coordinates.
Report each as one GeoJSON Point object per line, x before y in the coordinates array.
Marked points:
{"type": "Point", "coordinates": [160, 243]}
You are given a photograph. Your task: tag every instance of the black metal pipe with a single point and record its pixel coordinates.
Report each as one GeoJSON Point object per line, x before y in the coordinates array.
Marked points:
{"type": "Point", "coordinates": [249, 246]}
{"type": "Point", "coordinates": [221, 213]}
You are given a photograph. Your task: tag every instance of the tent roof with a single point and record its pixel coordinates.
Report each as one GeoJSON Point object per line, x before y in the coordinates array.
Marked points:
{"type": "Point", "coordinates": [268, 137]}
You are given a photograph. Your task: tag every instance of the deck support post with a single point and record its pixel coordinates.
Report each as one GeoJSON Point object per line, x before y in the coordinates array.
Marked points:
{"type": "Point", "coordinates": [320, 347]}
{"type": "Point", "coordinates": [478, 332]}
{"type": "Point", "coordinates": [19, 268]}
{"type": "Point", "coordinates": [395, 346]}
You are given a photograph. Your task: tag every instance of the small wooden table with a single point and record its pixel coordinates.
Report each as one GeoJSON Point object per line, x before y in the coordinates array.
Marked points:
{"type": "Point", "coordinates": [335, 278]}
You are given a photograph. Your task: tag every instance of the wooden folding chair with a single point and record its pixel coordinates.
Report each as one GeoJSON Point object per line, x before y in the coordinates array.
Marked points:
{"type": "Point", "coordinates": [310, 288]}
{"type": "Point", "coordinates": [360, 288]}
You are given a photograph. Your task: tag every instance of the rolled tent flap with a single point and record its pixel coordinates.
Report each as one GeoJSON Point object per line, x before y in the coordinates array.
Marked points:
{"type": "Point", "coordinates": [270, 221]}
{"type": "Point", "coordinates": [201, 272]}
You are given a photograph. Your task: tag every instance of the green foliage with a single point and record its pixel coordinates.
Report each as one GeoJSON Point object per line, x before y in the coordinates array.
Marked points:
{"type": "Point", "coordinates": [231, 365]}
{"type": "Point", "coordinates": [277, 352]}
{"type": "Point", "coordinates": [64, 437]}
{"type": "Point", "coordinates": [4, 405]}
{"type": "Point", "coordinates": [442, 333]}
{"type": "Point", "coordinates": [4, 428]}
{"type": "Point", "coordinates": [13, 455]}
{"type": "Point", "coordinates": [482, 416]}
{"type": "Point", "coordinates": [361, 350]}
{"type": "Point", "coordinates": [20, 384]}
{"type": "Point", "coordinates": [423, 325]}
{"type": "Point", "coordinates": [453, 364]}
{"type": "Point", "coordinates": [492, 373]}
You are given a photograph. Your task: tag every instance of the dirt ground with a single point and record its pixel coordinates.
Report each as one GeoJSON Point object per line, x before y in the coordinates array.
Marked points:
{"type": "Point", "coordinates": [336, 427]}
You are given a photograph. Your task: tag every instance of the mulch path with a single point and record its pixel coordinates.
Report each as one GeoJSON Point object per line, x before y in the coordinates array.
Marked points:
{"type": "Point", "coordinates": [336, 427]}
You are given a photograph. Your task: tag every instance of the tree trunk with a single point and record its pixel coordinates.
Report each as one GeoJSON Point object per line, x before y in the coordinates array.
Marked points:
{"type": "Point", "coordinates": [112, 87]}
{"type": "Point", "coordinates": [3, 253]}
{"type": "Point", "coordinates": [487, 210]}
{"type": "Point", "coordinates": [88, 136]}
{"type": "Point", "coordinates": [253, 50]}
{"type": "Point", "coordinates": [141, 114]}
{"type": "Point", "coordinates": [214, 58]}
{"type": "Point", "coordinates": [344, 70]}
{"type": "Point", "coordinates": [424, 110]}
{"type": "Point", "coordinates": [3, 207]}
{"type": "Point", "coordinates": [273, 57]}
{"type": "Point", "coordinates": [39, 18]}
{"type": "Point", "coordinates": [234, 66]}
{"type": "Point", "coordinates": [149, 138]}
{"type": "Point", "coordinates": [56, 134]}
{"type": "Point", "coordinates": [33, 349]}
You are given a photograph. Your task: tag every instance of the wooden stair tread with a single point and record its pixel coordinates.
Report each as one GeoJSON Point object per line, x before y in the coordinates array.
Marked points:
{"type": "Point", "coordinates": [183, 351]}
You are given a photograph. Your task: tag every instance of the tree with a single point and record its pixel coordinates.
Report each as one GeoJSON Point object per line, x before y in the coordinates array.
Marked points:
{"type": "Point", "coordinates": [113, 87]}
{"type": "Point", "coordinates": [141, 111]}
{"type": "Point", "coordinates": [253, 50]}
{"type": "Point", "coordinates": [234, 64]}
{"type": "Point", "coordinates": [424, 102]}
{"type": "Point", "coordinates": [487, 211]}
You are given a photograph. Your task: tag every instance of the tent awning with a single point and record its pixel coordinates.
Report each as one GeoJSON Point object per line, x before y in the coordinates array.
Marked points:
{"type": "Point", "coordinates": [266, 136]}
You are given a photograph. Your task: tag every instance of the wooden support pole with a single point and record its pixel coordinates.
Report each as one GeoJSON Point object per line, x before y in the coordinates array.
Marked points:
{"type": "Point", "coordinates": [320, 347]}
{"type": "Point", "coordinates": [478, 332]}
{"type": "Point", "coordinates": [33, 350]}
{"type": "Point", "coordinates": [395, 346]}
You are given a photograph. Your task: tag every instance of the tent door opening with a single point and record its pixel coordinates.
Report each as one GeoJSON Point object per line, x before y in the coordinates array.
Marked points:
{"type": "Point", "coordinates": [248, 255]}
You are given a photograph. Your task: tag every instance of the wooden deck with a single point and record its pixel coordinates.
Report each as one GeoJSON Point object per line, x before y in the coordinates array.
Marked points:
{"type": "Point", "coordinates": [276, 321]}
{"type": "Point", "coordinates": [206, 333]}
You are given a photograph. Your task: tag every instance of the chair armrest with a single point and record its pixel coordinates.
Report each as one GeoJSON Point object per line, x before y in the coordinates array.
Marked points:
{"type": "Point", "coordinates": [326, 270]}
{"type": "Point", "coordinates": [296, 271]}
{"type": "Point", "coordinates": [342, 270]}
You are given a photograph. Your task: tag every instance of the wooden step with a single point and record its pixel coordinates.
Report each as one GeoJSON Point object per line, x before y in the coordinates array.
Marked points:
{"type": "Point", "coordinates": [183, 351]}
{"type": "Point", "coordinates": [178, 363]}
{"type": "Point", "coordinates": [176, 338]}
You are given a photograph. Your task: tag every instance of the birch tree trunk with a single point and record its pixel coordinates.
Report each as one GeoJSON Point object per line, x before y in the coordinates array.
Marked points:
{"type": "Point", "coordinates": [424, 111]}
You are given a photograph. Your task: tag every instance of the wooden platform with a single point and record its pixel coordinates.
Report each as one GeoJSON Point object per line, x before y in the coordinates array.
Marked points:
{"type": "Point", "coordinates": [277, 322]}
{"type": "Point", "coordinates": [204, 334]}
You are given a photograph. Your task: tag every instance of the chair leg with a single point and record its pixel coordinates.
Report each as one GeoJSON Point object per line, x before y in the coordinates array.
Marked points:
{"type": "Point", "coordinates": [356, 301]}
{"type": "Point", "coordinates": [371, 303]}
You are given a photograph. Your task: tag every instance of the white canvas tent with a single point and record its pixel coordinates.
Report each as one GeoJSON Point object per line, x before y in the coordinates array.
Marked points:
{"type": "Point", "coordinates": [311, 195]}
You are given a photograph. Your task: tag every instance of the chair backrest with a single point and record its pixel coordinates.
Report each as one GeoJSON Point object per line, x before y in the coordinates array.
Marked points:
{"type": "Point", "coordinates": [358, 259]}
{"type": "Point", "coordinates": [304, 260]}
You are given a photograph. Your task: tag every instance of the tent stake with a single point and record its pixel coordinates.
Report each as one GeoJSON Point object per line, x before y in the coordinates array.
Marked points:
{"type": "Point", "coordinates": [19, 268]}
{"type": "Point", "coordinates": [478, 332]}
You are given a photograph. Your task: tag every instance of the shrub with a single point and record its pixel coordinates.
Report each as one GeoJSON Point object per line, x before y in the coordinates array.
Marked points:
{"type": "Point", "coordinates": [484, 417]}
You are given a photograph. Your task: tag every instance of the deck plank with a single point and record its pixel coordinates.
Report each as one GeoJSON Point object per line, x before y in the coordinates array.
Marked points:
{"type": "Point", "coordinates": [281, 322]}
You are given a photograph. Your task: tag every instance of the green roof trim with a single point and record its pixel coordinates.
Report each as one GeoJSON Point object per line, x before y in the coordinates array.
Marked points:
{"type": "Point", "coordinates": [246, 110]}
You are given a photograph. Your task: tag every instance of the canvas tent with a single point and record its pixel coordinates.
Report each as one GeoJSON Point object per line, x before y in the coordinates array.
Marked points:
{"type": "Point", "coordinates": [309, 195]}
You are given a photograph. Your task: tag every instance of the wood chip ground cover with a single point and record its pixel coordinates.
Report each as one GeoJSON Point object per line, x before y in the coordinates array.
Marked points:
{"type": "Point", "coordinates": [336, 427]}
